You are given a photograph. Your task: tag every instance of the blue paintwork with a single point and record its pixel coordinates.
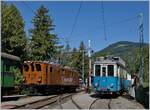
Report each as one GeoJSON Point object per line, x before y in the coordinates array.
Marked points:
{"type": "Point", "coordinates": [106, 83]}
{"type": "Point", "coordinates": [109, 84]}
{"type": "Point", "coordinates": [127, 83]}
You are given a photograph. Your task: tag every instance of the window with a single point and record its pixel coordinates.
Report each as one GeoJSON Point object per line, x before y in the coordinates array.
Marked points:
{"type": "Point", "coordinates": [110, 70]}
{"type": "Point", "coordinates": [26, 67]}
{"type": "Point", "coordinates": [63, 71]}
{"type": "Point", "coordinates": [51, 69]}
{"type": "Point", "coordinates": [103, 71]}
{"type": "Point", "coordinates": [46, 69]}
{"type": "Point", "coordinates": [38, 67]}
{"type": "Point", "coordinates": [7, 67]}
{"type": "Point", "coordinates": [97, 70]}
{"type": "Point", "coordinates": [32, 67]}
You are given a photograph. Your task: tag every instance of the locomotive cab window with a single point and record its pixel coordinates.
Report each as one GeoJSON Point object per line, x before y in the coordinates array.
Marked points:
{"type": "Point", "coordinates": [7, 68]}
{"type": "Point", "coordinates": [97, 70]}
{"type": "Point", "coordinates": [110, 70]}
{"type": "Point", "coordinates": [63, 71]}
{"type": "Point", "coordinates": [51, 69]}
{"type": "Point", "coordinates": [38, 67]}
{"type": "Point", "coordinates": [32, 67]}
{"type": "Point", "coordinates": [26, 67]}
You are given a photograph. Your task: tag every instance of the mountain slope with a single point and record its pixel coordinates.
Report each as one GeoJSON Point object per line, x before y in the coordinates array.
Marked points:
{"type": "Point", "coordinates": [122, 49]}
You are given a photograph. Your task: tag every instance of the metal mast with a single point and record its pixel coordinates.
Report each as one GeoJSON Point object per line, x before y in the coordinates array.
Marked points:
{"type": "Point", "coordinates": [89, 75]}
{"type": "Point", "coordinates": [141, 72]}
{"type": "Point", "coordinates": [83, 65]}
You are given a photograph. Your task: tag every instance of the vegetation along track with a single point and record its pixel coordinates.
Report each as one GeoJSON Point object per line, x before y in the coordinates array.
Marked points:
{"type": "Point", "coordinates": [107, 103]}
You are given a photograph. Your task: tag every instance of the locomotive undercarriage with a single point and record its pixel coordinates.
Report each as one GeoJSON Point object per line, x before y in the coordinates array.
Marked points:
{"type": "Point", "coordinates": [49, 89]}
{"type": "Point", "coordinates": [114, 93]}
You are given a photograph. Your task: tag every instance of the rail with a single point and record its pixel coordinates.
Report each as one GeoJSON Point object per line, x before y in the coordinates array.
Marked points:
{"type": "Point", "coordinates": [37, 104]}
{"type": "Point", "coordinates": [108, 103]}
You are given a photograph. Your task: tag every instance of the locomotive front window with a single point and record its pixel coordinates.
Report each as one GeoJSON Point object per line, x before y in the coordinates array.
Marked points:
{"type": "Point", "coordinates": [110, 70]}
{"type": "Point", "coordinates": [103, 71]}
{"type": "Point", "coordinates": [38, 67]}
{"type": "Point", "coordinates": [32, 67]}
{"type": "Point", "coordinates": [51, 69]}
{"type": "Point", "coordinates": [63, 71]}
{"type": "Point", "coordinates": [97, 70]}
{"type": "Point", "coordinates": [26, 67]}
{"type": "Point", "coordinates": [7, 68]}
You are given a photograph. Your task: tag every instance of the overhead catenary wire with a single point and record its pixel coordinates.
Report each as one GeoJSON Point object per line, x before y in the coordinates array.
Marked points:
{"type": "Point", "coordinates": [12, 12]}
{"type": "Point", "coordinates": [76, 18]}
{"type": "Point", "coordinates": [103, 19]}
{"type": "Point", "coordinates": [122, 21]}
{"type": "Point", "coordinates": [74, 24]}
{"type": "Point", "coordinates": [28, 7]}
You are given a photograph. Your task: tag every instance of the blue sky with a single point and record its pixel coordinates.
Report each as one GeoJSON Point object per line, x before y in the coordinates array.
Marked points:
{"type": "Point", "coordinates": [90, 23]}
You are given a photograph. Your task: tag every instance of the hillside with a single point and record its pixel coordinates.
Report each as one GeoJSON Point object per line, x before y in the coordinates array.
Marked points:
{"type": "Point", "coordinates": [129, 52]}
{"type": "Point", "coordinates": [121, 49]}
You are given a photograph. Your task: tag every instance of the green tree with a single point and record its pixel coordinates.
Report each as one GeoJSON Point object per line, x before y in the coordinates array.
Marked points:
{"type": "Point", "coordinates": [43, 43]}
{"type": "Point", "coordinates": [13, 36]}
{"type": "Point", "coordinates": [79, 63]}
{"type": "Point", "coordinates": [18, 76]}
{"type": "Point", "coordinates": [73, 59]}
{"type": "Point", "coordinates": [67, 55]}
{"type": "Point", "coordinates": [77, 60]}
{"type": "Point", "coordinates": [67, 48]}
{"type": "Point", "coordinates": [146, 63]}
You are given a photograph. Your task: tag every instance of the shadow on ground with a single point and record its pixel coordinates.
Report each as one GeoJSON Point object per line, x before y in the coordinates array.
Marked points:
{"type": "Point", "coordinates": [9, 99]}
{"type": "Point", "coordinates": [104, 96]}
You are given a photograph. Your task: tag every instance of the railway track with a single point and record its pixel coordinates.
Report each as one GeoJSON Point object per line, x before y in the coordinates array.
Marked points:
{"type": "Point", "coordinates": [106, 104]}
{"type": "Point", "coordinates": [75, 103]}
{"type": "Point", "coordinates": [33, 102]}
{"type": "Point", "coordinates": [13, 97]}
{"type": "Point", "coordinates": [38, 103]}
{"type": "Point", "coordinates": [60, 100]}
{"type": "Point", "coordinates": [41, 103]}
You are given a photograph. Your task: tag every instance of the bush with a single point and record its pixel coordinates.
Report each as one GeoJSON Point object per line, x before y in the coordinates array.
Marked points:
{"type": "Point", "coordinates": [18, 76]}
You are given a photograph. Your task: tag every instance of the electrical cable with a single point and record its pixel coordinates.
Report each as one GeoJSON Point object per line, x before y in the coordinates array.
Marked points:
{"type": "Point", "coordinates": [28, 7]}
{"type": "Point", "coordinates": [76, 18]}
{"type": "Point", "coordinates": [104, 22]}
{"type": "Point", "coordinates": [123, 21]}
{"type": "Point", "coordinates": [12, 12]}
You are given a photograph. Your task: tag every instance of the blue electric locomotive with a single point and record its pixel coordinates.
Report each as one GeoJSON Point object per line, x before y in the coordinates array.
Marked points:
{"type": "Point", "coordinates": [110, 76]}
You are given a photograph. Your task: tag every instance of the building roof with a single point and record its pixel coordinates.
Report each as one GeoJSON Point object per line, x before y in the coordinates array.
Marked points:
{"type": "Point", "coordinates": [9, 56]}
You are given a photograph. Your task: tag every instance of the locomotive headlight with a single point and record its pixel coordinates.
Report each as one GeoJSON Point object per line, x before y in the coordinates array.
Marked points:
{"type": "Point", "coordinates": [111, 85]}
{"type": "Point", "coordinates": [24, 79]}
{"type": "Point", "coordinates": [39, 78]}
{"type": "Point", "coordinates": [96, 84]}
